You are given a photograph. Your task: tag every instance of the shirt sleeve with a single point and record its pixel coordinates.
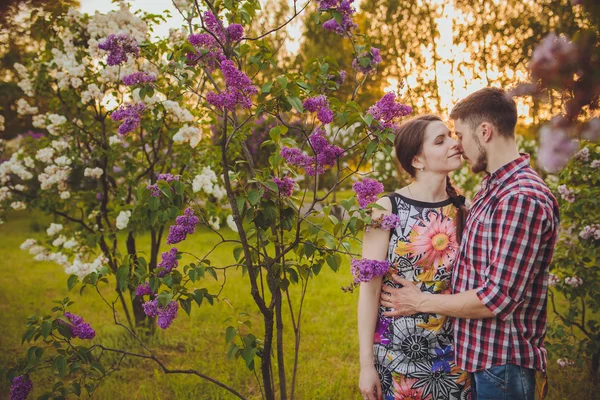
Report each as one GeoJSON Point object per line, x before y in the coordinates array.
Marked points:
{"type": "Point", "coordinates": [515, 234]}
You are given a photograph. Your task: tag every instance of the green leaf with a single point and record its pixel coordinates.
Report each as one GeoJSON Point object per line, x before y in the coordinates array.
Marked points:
{"type": "Point", "coordinates": [371, 147]}
{"type": "Point", "coordinates": [296, 103]}
{"type": "Point", "coordinates": [232, 351]}
{"type": "Point", "coordinates": [212, 272]}
{"type": "Point", "coordinates": [46, 328]}
{"type": "Point", "coordinates": [230, 333]}
{"type": "Point", "coordinates": [123, 277]}
{"type": "Point", "coordinates": [71, 282]}
{"type": "Point", "coordinates": [254, 196]}
{"type": "Point", "coordinates": [237, 253]}
{"type": "Point", "coordinates": [282, 81]}
{"type": "Point", "coordinates": [60, 365]}
{"type": "Point", "coordinates": [267, 87]}
{"type": "Point", "coordinates": [186, 305]}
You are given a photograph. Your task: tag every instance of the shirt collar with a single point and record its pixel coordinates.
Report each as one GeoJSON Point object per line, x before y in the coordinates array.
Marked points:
{"type": "Point", "coordinates": [506, 171]}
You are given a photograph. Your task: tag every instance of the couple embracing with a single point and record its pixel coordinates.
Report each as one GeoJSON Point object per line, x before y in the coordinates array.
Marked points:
{"type": "Point", "coordinates": [462, 312]}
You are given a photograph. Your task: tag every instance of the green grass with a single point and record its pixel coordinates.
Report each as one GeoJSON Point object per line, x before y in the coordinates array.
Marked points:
{"type": "Point", "coordinates": [328, 364]}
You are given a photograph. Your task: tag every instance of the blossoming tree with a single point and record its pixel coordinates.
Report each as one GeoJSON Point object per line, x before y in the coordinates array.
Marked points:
{"type": "Point", "coordinates": [123, 152]}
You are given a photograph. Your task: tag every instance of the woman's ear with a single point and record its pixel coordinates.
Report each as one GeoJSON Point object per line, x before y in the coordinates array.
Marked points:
{"type": "Point", "coordinates": [417, 163]}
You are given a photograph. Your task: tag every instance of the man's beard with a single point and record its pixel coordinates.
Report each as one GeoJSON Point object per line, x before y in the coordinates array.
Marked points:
{"type": "Point", "coordinates": [480, 164]}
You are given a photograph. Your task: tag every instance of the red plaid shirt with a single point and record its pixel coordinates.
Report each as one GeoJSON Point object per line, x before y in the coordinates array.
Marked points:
{"type": "Point", "coordinates": [505, 254]}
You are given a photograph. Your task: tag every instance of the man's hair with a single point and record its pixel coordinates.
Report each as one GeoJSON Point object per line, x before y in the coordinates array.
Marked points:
{"type": "Point", "coordinates": [491, 105]}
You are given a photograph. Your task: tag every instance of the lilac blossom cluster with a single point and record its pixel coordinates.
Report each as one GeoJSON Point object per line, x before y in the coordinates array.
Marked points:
{"type": "Point", "coordinates": [590, 232]}
{"type": "Point", "coordinates": [20, 388]}
{"type": "Point", "coordinates": [320, 105]}
{"type": "Point", "coordinates": [238, 92]}
{"type": "Point", "coordinates": [326, 154]}
{"type": "Point", "coordinates": [208, 53]}
{"type": "Point", "coordinates": [79, 328]}
{"type": "Point", "coordinates": [387, 222]}
{"type": "Point", "coordinates": [138, 78]}
{"type": "Point", "coordinates": [155, 190]}
{"type": "Point", "coordinates": [168, 262]}
{"type": "Point", "coordinates": [367, 61]}
{"type": "Point", "coordinates": [556, 147]}
{"type": "Point", "coordinates": [367, 191]}
{"type": "Point", "coordinates": [567, 194]}
{"type": "Point", "coordinates": [387, 111]}
{"type": "Point", "coordinates": [285, 185]}
{"type": "Point", "coordinates": [144, 290]}
{"type": "Point", "coordinates": [118, 47]}
{"type": "Point", "coordinates": [130, 115]}
{"type": "Point", "coordinates": [166, 314]}
{"type": "Point", "coordinates": [345, 9]}
{"type": "Point", "coordinates": [184, 225]}
{"type": "Point", "coordinates": [364, 269]}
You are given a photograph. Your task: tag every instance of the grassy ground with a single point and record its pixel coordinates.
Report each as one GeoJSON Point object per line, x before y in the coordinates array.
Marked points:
{"type": "Point", "coordinates": [328, 366]}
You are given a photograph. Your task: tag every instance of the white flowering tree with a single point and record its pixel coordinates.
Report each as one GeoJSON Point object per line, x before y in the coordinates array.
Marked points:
{"type": "Point", "coordinates": [154, 138]}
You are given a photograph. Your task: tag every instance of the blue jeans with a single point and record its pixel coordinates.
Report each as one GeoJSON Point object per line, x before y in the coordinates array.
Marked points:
{"type": "Point", "coordinates": [504, 382]}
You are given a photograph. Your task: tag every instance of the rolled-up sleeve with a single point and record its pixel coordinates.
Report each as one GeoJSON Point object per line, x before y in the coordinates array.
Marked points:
{"type": "Point", "coordinates": [515, 233]}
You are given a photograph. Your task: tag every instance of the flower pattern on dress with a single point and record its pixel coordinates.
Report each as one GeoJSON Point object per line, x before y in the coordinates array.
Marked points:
{"type": "Point", "coordinates": [414, 355]}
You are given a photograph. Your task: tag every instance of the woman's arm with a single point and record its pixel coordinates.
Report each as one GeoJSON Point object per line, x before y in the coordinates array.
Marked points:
{"type": "Point", "coordinates": [375, 247]}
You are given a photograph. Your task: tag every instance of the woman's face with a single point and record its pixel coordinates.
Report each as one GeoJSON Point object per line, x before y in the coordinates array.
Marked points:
{"type": "Point", "coordinates": [440, 150]}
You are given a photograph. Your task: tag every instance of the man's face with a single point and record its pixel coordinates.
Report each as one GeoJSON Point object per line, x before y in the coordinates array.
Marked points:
{"type": "Point", "coordinates": [470, 146]}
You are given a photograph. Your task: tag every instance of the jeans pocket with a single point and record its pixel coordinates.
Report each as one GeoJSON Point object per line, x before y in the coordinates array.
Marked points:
{"type": "Point", "coordinates": [496, 375]}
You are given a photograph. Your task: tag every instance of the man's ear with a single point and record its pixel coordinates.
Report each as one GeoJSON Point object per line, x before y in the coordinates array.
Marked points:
{"type": "Point", "coordinates": [487, 131]}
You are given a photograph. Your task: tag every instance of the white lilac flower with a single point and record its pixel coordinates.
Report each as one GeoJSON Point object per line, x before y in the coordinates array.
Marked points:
{"type": "Point", "coordinates": [5, 193]}
{"type": "Point", "coordinates": [231, 223]}
{"type": "Point", "coordinates": [115, 139]}
{"type": "Point", "coordinates": [553, 280]}
{"type": "Point", "coordinates": [564, 362]}
{"type": "Point", "coordinates": [39, 121]}
{"type": "Point", "coordinates": [53, 229]}
{"type": "Point", "coordinates": [188, 133]}
{"type": "Point", "coordinates": [71, 243]}
{"type": "Point", "coordinates": [55, 122]}
{"type": "Point", "coordinates": [65, 195]}
{"type": "Point", "coordinates": [23, 108]}
{"type": "Point", "coordinates": [63, 161]}
{"type": "Point", "coordinates": [45, 155]}
{"type": "Point", "coordinates": [60, 145]}
{"type": "Point", "coordinates": [205, 181]}
{"type": "Point", "coordinates": [18, 205]}
{"type": "Point", "coordinates": [573, 281]}
{"type": "Point", "coordinates": [123, 219]}
{"type": "Point", "coordinates": [27, 244]}
{"type": "Point", "coordinates": [92, 92]}
{"type": "Point", "coordinates": [2, 120]}
{"type": "Point", "coordinates": [93, 172]}
{"type": "Point", "coordinates": [214, 222]}
{"type": "Point", "coordinates": [59, 241]}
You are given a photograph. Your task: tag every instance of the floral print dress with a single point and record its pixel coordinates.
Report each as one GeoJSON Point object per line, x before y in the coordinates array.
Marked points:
{"type": "Point", "coordinates": [414, 355]}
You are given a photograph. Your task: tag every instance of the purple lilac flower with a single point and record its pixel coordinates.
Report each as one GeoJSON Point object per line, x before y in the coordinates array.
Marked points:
{"type": "Point", "coordinates": [364, 270]}
{"type": "Point", "coordinates": [118, 47]}
{"type": "Point", "coordinates": [367, 191]}
{"type": "Point", "coordinates": [185, 225]}
{"type": "Point", "coordinates": [154, 190]}
{"type": "Point", "coordinates": [130, 114]}
{"type": "Point", "coordinates": [327, 4]}
{"type": "Point", "coordinates": [209, 52]}
{"type": "Point", "coordinates": [214, 25]}
{"type": "Point", "coordinates": [374, 57]}
{"type": "Point", "coordinates": [346, 25]}
{"type": "Point", "coordinates": [235, 32]}
{"type": "Point", "coordinates": [556, 147]}
{"type": "Point", "coordinates": [387, 110]}
{"type": "Point", "coordinates": [167, 314]}
{"type": "Point", "coordinates": [168, 177]}
{"type": "Point", "coordinates": [20, 388]}
{"type": "Point", "coordinates": [342, 77]}
{"type": "Point", "coordinates": [168, 262]}
{"type": "Point", "coordinates": [390, 221]}
{"type": "Point", "coordinates": [325, 154]}
{"type": "Point", "coordinates": [32, 134]}
{"type": "Point", "coordinates": [320, 105]}
{"type": "Point", "coordinates": [238, 92]}
{"type": "Point", "coordinates": [138, 77]}
{"type": "Point", "coordinates": [285, 185]}
{"type": "Point", "coordinates": [566, 193]}
{"type": "Point", "coordinates": [150, 308]}
{"type": "Point", "coordinates": [79, 328]}
{"type": "Point", "coordinates": [143, 290]}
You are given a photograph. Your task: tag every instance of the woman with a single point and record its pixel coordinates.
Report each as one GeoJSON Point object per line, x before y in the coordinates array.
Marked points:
{"type": "Point", "coordinates": [412, 357]}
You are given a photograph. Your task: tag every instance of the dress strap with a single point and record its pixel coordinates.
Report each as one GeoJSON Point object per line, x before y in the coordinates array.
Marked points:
{"type": "Point", "coordinates": [393, 199]}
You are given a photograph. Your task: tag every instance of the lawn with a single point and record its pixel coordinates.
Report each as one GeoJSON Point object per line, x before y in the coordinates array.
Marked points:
{"type": "Point", "coordinates": [328, 366]}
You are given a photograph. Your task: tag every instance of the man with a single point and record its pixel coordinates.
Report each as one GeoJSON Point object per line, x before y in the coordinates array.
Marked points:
{"type": "Point", "coordinates": [501, 271]}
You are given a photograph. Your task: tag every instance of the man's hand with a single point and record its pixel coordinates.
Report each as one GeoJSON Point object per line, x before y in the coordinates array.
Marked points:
{"type": "Point", "coordinates": [403, 301]}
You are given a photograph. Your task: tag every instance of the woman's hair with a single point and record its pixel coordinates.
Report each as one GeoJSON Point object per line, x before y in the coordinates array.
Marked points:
{"type": "Point", "coordinates": [410, 137]}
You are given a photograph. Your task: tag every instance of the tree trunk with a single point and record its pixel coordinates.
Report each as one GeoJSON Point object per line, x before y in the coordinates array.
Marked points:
{"type": "Point", "coordinates": [140, 317]}
{"type": "Point", "coordinates": [594, 366]}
